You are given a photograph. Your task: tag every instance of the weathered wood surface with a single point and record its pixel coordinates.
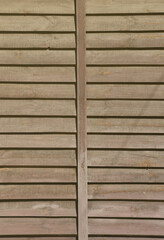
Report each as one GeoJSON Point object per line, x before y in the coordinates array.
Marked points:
{"type": "Point", "coordinates": [37, 175]}
{"type": "Point", "coordinates": [37, 192]}
{"type": "Point", "coordinates": [37, 7]}
{"type": "Point", "coordinates": [126, 191]}
{"type": "Point", "coordinates": [37, 158]}
{"type": "Point", "coordinates": [37, 125]}
{"type": "Point", "coordinates": [125, 108]}
{"type": "Point", "coordinates": [37, 91]}
{"type": "Point", "coordinates": [126, 141]}
{"type": "Point", "coordinates": [107, 175]}
{"type": "Point", "coordinates": [37, 57]}
{"type": "Point", "coordinates": [125, 40]}
{"type": "Point", "coordinates": [124, 23]}
{"type": "Point", "coordinates": [37, 74]}
{"type": "Point", "coordinates": [37, 226]}
{"type": "Point", "coordinates": [125, 74]}
{"type": "Point", "coordinates": [115, 125]}
{"type": "Point", "coordinates": [119, 6]}
{"type": "Point", "coordinates": [38, 107]}
{"type": "Point", "coordinates": [38, 141]}
{"type": "Point", "coordinates": [126, 227]}
{"type": "Point", "coordinates": [125, 158]}
{"type": "Point", "coordinates": [38, 208]}
{"type": "Point", "coordinates": [125, 57]}
{"type": "Point", "coordinates": [112, 238]}
{"type": "Point", "coordinates": [126, 209]}
{"type": "Point", "coordinates": [46, 238]}
{"type": "Point", "coordinates": [37, 23]}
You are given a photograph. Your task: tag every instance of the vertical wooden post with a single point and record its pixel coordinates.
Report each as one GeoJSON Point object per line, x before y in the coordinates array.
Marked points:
{"type": "Point", "coordinates": [81, 121]}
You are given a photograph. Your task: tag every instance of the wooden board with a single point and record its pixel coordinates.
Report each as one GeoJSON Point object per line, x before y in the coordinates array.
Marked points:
{"type": "Point", "coordinates": [37, 158]}
{"type": "Point", "coordinates": [37, 191]}
{"type": "Point", "coordinates": [37, 23]}
{"type": "Point", "coordinates": [37, 74]}
{"type": "Point", "coordinates": [38, 141]}
{"type": "Point", "coordinates": [116, 125]}
{"type": "Point", "coordinates": [37, 57]}
{"type": "Point", "coordinates": [113, 238]}
{"type": "Point", "coordinates": [125, 57]}
{"type": "Point", "coordinates": [126, 227]}
{"type": "Point", "coordinates": [37, 226]}
{"type": "Point", "coordinates": [125, 158]}
{"type": "Point", "coordinates": [124, 23]}
{"type": "Point", "coordinates": [37, 107]}
{"type": "Point", "coordinates": [113, 175]}
{"type": "Point", "coordinates": [125, 108]}
{"type": "Point", "coordinates": [125, 209]}
{"type": "Point", "coordinates": [43, 238]}
{"type": "Point", "coordinates": [37, 175]}
{"type": "Point", "coordinates": [126, 191]}
{"type": "Point", "coordinates": [118, 6]}
{"type": "Point", "coordinates": [33, 91]}
{"type": "Point", "coordinates": [38, 208]}
{"type": "Point", "coordinates": [125, 74]}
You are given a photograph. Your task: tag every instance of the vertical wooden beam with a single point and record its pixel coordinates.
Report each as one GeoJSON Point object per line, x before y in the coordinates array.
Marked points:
{"type": "Point", "coordinates": [81, 121]}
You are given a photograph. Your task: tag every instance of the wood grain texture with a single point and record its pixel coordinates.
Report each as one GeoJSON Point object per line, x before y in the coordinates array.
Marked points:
{"type": "Point", "coordinates": [37, 107]}
{"type": "Point", "coordinates": [37, 158]}
{"type": "Point", "coordinates": [37, 175]}
{"type": "Point", "coordinates": [38, 141]}
{"type": "Point", "coordinates": [43, 238]}
{"type": "Point", "coordinates": [107, 175]}
{"type": "Point", "coordinates": [117, 6]}
{"type": "Point", "coordinates": [37, 23]}
{"type": "Point", "coordinates": [126, 227]}
{"type": "Point", "coordinates": [37, 57]}
{"type": "Point", "coordinates": [37, 226]}
{"type": "Point", "coordinates": [37, 192]}
{"type": "Point", "coordinates": [37, 74]}
{"type": "Point", "coordinates": [125, 23]}
{"type": "Point", "coordinates": [126, 141]}
{"type": "Point", "coordinates": [125, 74]}
{"type": "Point", "coordinates": [125, 158]}
{"type": "Point", "coordinates": [33, 91]}
{"type": "Point", "coordinates": [38, 209]}
{"type": "Point", "coordinates": [115, 125]}
{"type": "Point", "coordinates": [113, 238]}
{"type": "Point", "coordinates": [126, 191]}
{"type": "Point", "coordinates": [125, 57]}
{"type": "Point", "coordinates": [125, 40]}
{"type": "Point", "coordinates": [125, 108]}
{"type": "Point", "coordinates": [124, 209]}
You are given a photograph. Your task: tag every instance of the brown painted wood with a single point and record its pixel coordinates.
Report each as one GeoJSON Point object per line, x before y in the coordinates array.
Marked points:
{"type": "Point", "coordinates": [116, 238]}
{"type": "Point", "coordinates": [43, 238]}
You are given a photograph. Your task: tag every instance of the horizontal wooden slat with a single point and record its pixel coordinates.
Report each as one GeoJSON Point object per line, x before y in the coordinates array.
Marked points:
{"type": "Point", "coordinates": [38, 191]}
{"type": "Point", "coordinates": [37, 175]}
{"type": "Point", "coordinates": [47, 238]}
{"type": "Point", "coordinates": [37, 74]}
{"type": "Point", "coordinates": [125, 74]}
{"type": "Point", "coordinates": [126, 141]}
{"type": "Point", "coordinates": [115, 125]}
{"type": "Point", "coordinates": [126, 227]}
{"type": "Point", "coordinates": [38, 208]}
{"type": "Point", "coordinates": [37, 23]}
{"type": "Point", "coordinates": [37, 226]}
{"type": "Point", "coordinates": [38, 107]}
{"type": "Point", "coordinates": [36, 125]}
{"type": "Point", "coordinates": [38, 141]}
{"type": "Point", "coordinates": [125, 158]}
{"type": "Point", "coordinates": [37, 91]}
{"type": "Point", "coordinates": [126, 191]}
{"type": "Point", "coordinates": [125, 108]}
{"type": "Point", "coordinates": [126, 57]}
{"type": "Point", "coordinates": [45, 41]}
{"type": "Point", "coordinates": [125, 40]}
{"type": "Point", "coordinates": [113, 238]}
{"type": "Point", "coordinates": [126, 209]}
{"type": "Point", "coordinates": [36, 57]}
{"type": "Point", "coordinates": [124, 23]}
{"type": "Point", "coordinates": [106, 175]}
{"type": "Point", "coordinates": [118, 6]}
{"type": "Point", "coordinates": [37, 158]}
